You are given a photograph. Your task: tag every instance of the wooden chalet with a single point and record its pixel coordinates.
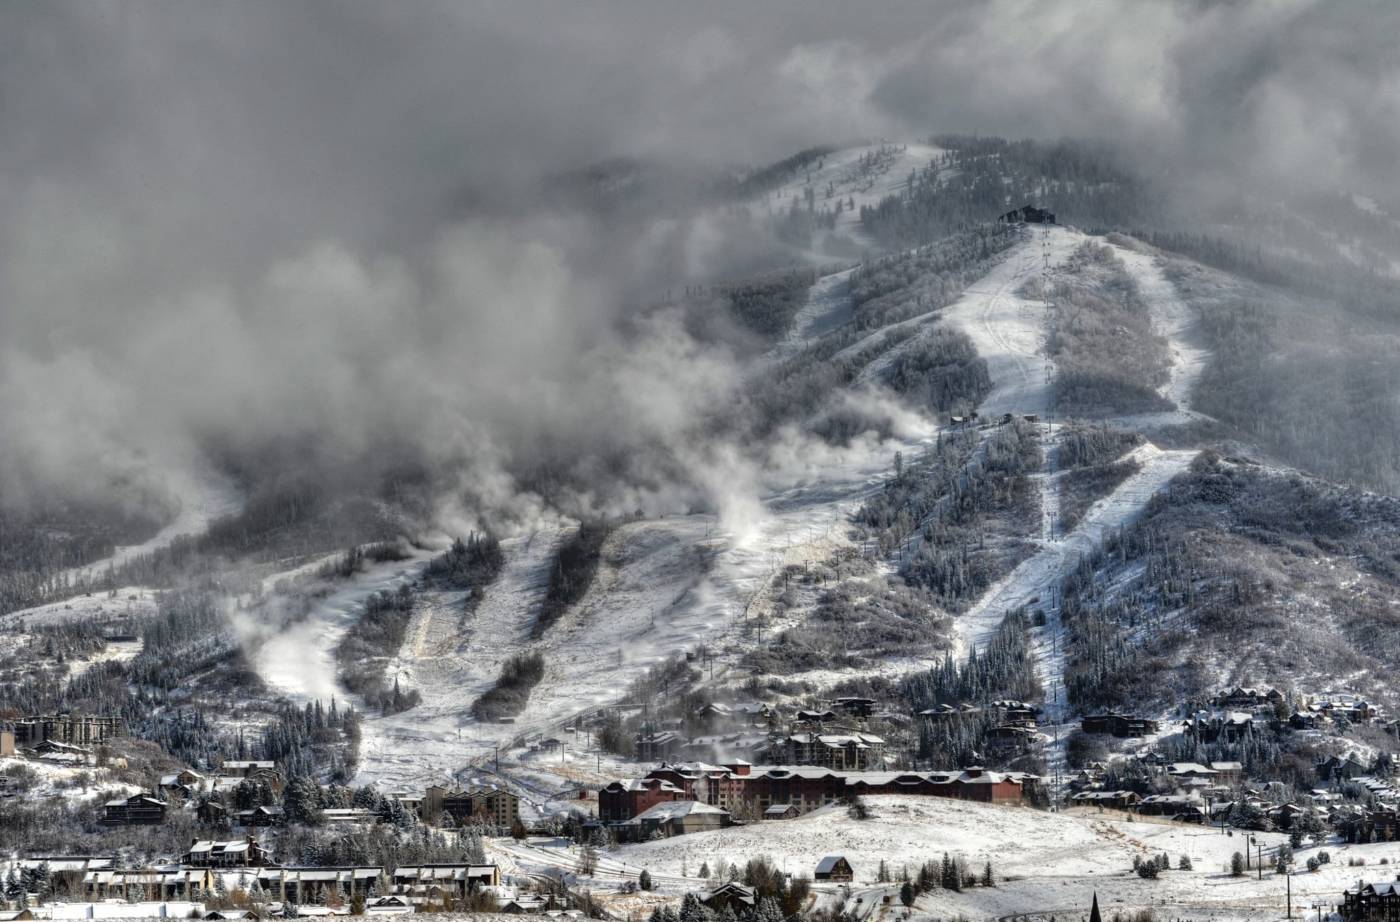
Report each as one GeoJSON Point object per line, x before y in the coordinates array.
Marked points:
{"type": "Point", "coordinates": [1375, 902]}
{"type": "Point", "coordinates": [733, 894]}
{"type": "Point", "coordinates": [1112, 800]}
{"type": "Point", "coordinates": [1119, 725]}
{"type": "Point", "coordinates": [137, 810]}
{"type": "Point", "coordinates": [834, 868]}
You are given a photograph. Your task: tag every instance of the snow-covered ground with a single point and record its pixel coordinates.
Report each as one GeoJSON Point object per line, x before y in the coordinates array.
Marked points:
{"type": "Point", "coordinates": [828, 307]}
{"type": "Point", "coordinates": [1044, 862]}
{"type": "Point", "coordinates": [203, 499]}
{"type": "Point", "coordinates": [1175, 320]}
{"type": "Point", "coordinates": [666, 586]}
{"type": "Point", "coordinates": [1009, 330]}
{"type": "Point", "coordinates": [842, 173]}
{"type": "Point", "coordinates": [1033, 582]}
{"type": "Point", "coordinates": [298, 660]}
{"type": "Point", "coordinates": [127, 602]}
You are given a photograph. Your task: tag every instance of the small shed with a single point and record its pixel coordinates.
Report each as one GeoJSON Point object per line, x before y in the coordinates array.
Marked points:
{"type": "Point", "coordinates": [782, 812]}
{"type": "Point", "coordinates": [834, 868]}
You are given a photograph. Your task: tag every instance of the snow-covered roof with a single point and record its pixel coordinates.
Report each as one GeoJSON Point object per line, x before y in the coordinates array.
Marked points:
{"type": "Point", "coordinates": [676, 809]}
{"type": "Point", "coordinates": [828, 864]}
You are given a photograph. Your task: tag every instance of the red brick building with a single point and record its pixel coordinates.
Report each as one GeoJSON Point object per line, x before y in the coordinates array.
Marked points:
{"type": "Point", "coordinates": [622, 800]}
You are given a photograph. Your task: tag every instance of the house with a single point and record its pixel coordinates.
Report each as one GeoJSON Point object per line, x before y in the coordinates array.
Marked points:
{"type": "Point", "coordinates": [1113, 800]}
{"type": "Point", "coordinates": [1372, 902]}
{"type": "Point", "coordinates": [948, 712]}
{"type": "Point", "coordinates": [1227, 772]}
{"type": "Point", "coordinates": [185, 783]}
{"type": "Point", "coordinates": [854, 707]}
{"type": "Point", "coordinates": [1120, 725]}
{"type": "Point", "coordinates": [710, 715]}
{"type": "Point", "coordinates": [1190, 771]}
{"type": "Point", "coordinates": [1341, 768]}
{"type": "Point", "coordinates": [262, 771]}
{"type": "Point", "coordinates": [157, 884]}
{"type": "Point", "coordinates": [735, 895]}
{"type": "Point", "coordinates": [234, 853]}
{"type": "Point", "coordinates": [814, 718]}
{"type": "Point", "coordinates": [1011, 711]}
{"type": "Point", "coordinates": [63, 753]}
{"type": "Point", "coordinates": [1028, 214]}
{"type": "Point", "coordinates": [834, 868]}
{"type": "Point", "coordinates": [524, 905]}
{"type": "Point", "coordinates": [74, 730]}
{"type": "Point", "coordinates": [137, 810]}
{"type": "Point", "coordinates": [1258, 699]}
{"type": "Point", "coordinates": [782, 812]}
{"type": "Point", "coordinates": [348, 816]}
{"type": "Point", "coordinates": [851, 751]}
{"type": "Point", "coordinates": [66, 872]}
{"type": "Point", "coordinates": [433, 882]}
{"type": "Point", "coordinates": [1176, 806]}
{"type": "Point", "coordinates": [259, 817]}
{"type": "Point", "coordinates": [1011, 738]}
{"type": "Point", "coordinates": [630, 797]}
{"type": "Point", "coordinates": [388, 905]}
{"type": "Point", "coordinates": [312, 885]}
{"type": "Point", "coordinates": [1227, 726]}
{"type": "Point", "coordinates": [658, 747]}
{"type": "Point", "coordinates": [678, 818]}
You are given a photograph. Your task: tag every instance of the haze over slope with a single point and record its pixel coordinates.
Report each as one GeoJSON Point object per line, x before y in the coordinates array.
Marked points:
{"type": "Point", "coordinates": [344, 258]}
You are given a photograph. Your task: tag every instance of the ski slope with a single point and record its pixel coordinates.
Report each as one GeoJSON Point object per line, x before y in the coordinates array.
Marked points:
{"type": "Point", "coordinates": [1175, 320]}
{"type": "Point", "coordinates": [202, 498]}
{"type": "Point", "coordinates": [828, 307]}
{"type": "Point", "coordinates": [297, 660]}
{"type": "Point", "coordinates": [841, 172]}
{"type": "Point", "coordinates": [1034, 581]}
{"type": "Point", "coordinates": [1010, 331]}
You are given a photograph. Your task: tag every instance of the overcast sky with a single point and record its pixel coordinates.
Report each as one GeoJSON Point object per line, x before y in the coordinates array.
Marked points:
{"type": "Point", "coordinates": [209, 211]}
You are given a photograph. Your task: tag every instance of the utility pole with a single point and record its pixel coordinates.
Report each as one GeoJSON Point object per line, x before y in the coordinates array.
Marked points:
{"type": "Point", "coordinates": [1288, 878]}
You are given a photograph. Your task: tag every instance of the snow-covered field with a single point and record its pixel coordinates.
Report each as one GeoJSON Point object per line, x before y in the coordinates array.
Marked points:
{"type": "Point", "coordinates": [130, 601]}
{"type": "Point", "coordinates": [1044, 862]}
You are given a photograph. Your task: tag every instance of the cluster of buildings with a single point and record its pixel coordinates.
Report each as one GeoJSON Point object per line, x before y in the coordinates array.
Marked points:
{"type": "Point", "coordinates": [833, 735]}
{"type": "Point", "coordinates": [208, 796]}
{"type": "Point", "coordinates": [209, 868]}
{"type": "Point", "coordinates": [680, 798]}
{"type": "Point", "coordinates": [71, 729]}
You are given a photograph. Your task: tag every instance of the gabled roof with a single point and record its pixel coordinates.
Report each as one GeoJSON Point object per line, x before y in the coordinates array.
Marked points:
{"type": "Point", "coordinates": [828, 864]}
{"type": "Point", "coordinates": [675, 810]}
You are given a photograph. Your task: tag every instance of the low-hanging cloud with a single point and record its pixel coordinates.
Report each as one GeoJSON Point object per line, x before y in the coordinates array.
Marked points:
{"type": "Point", "coordinates": [330, 223]}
